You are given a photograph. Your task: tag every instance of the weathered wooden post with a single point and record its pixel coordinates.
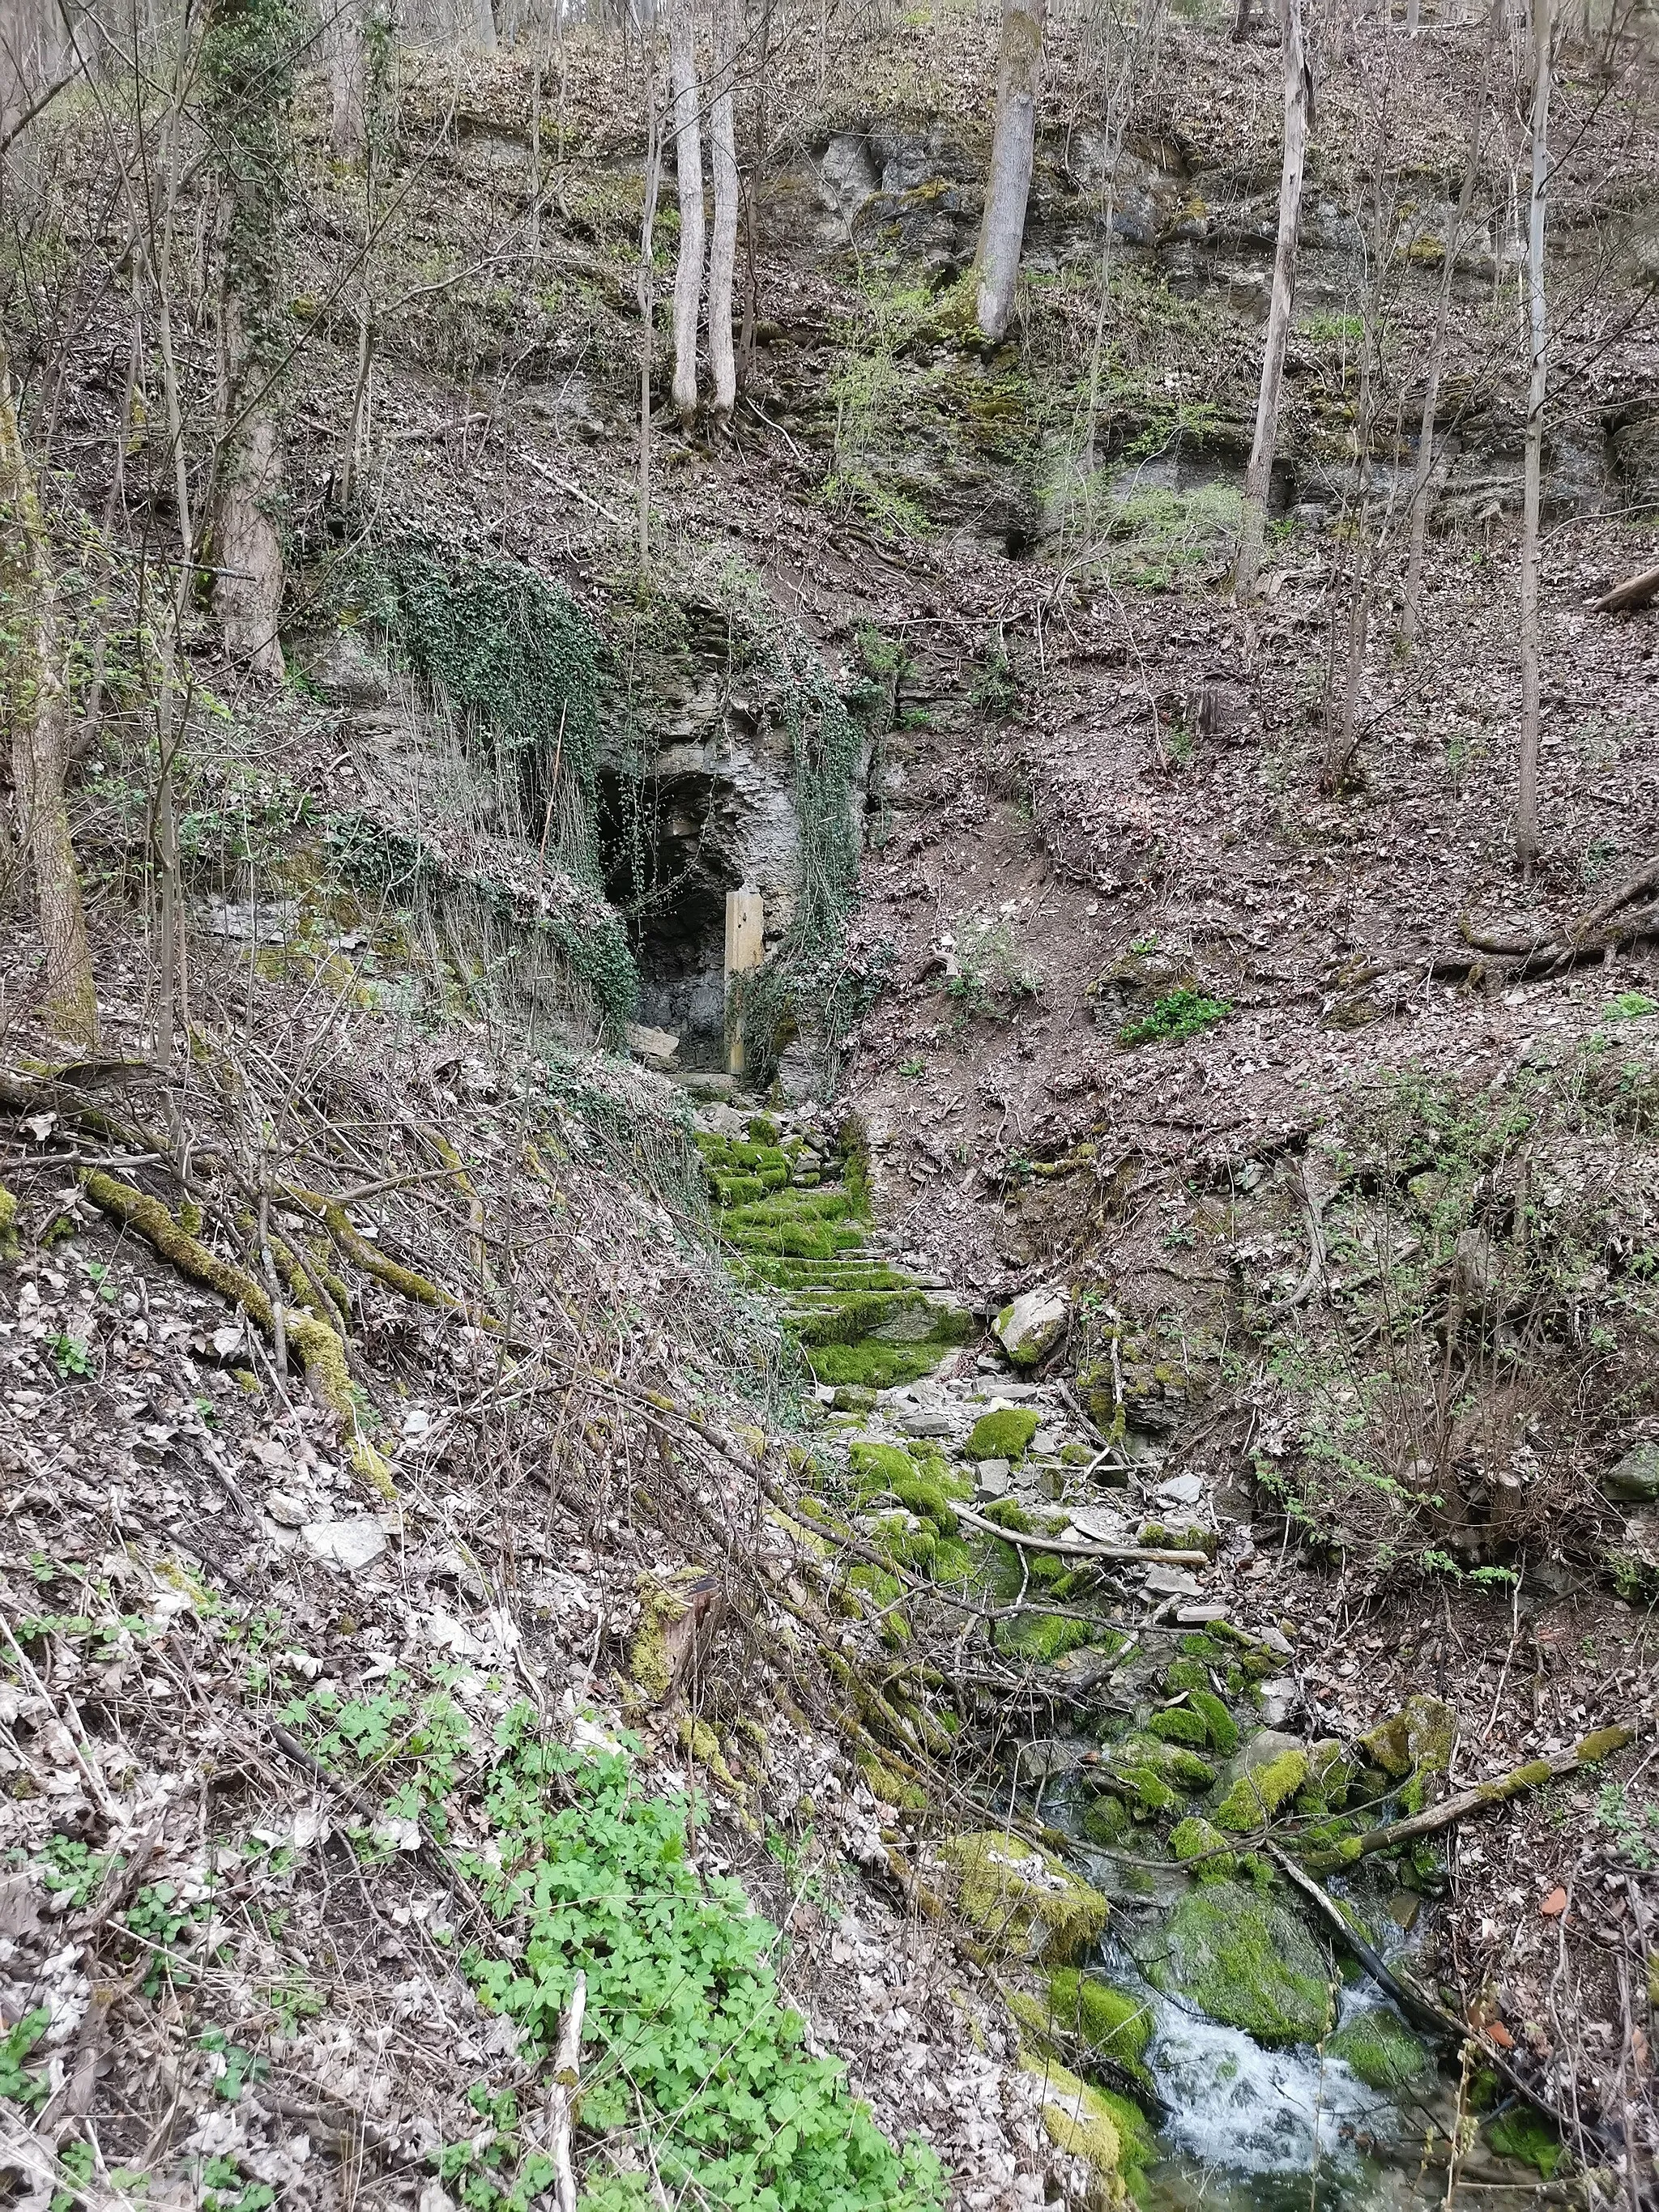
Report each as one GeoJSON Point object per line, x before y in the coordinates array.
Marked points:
{"type": "Point", "coordinates": [744, 950]}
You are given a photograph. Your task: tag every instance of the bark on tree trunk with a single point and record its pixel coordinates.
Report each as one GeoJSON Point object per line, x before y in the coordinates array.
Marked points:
{"type": "Point", "coordinates": [1526, 800]}
{"type": "Point", "coordinates": [248, 591]}
{"type": "Point", "coordinates": [33, 696]}
{"type": "Point", "coordinates": [348, 77]}
{"type": "Point", "coordinates": [688, 156]}
{"type": "Point", "coordinates": [248, 63]}
{"type": "Point", "coordinates": [1422, 476]}
{"type": "Point", "coordinates": [1298, 106]}
{"type": "Point", "coordinates": [646, 293]}
{"type": "Point", "coordinates": [1013, 148]}
{"type": "Point", "coordinates": [723, 244]}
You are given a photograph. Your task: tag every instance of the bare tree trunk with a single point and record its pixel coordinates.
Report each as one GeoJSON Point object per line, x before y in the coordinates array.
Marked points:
{"type": "Point", "coordinates": [346, 26]}
{"type": "Point", "coordinates": [247, 587]}
{"type": "Point", "coordinates": [647, 291]}
{"type": "Point", "coordinates": [1526, 802]}
{"type": "Point", "coordinates": [248, 68]}
{"type": "Point", "coordinates": [688, 157]}
{"type": "Point", "coordinates": [1258, 480]}
{"type": "Point", "coordinates": [32, 697]}
{"type": "Point", "coordinates": [1422, 479]}
{"type": "Point", "coordinates": [1013, 148]}
{"type": "Point", "coordinates": [483, 25]}
{"type": "Point", "coordinates": [1241, 21]}
{"type": "Point", "coordinates": [723, 244]}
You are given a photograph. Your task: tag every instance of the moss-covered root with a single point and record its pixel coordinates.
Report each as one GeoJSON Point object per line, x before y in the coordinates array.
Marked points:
{"type": "Point", "coordinates": [1588, 1751]}
{"type": "Point", "coordinates": [361, 1254]}
{"type": "Point", "coordinates": [8, 1224]}
{"type": "Point", "coordinates": [321, 1352]}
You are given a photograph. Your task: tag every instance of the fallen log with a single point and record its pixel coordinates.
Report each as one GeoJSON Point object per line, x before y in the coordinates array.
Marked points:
{"type": "Point", "coordinates": [1590, 1751]}
{"type": "Point", "coordinates": [1076, 1548]}
{"type": "Point", "coordinates": [1634, 591]}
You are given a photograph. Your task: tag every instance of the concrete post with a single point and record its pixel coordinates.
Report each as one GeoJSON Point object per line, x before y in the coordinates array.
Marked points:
{"type": "Point", "coordinates": [744, 950]}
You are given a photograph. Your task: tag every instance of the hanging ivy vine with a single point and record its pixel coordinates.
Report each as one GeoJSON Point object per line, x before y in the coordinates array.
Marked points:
{"type": "Point", "coordinates": [815, 985]}
{"type": "Point", "coordinates": [519, 659]}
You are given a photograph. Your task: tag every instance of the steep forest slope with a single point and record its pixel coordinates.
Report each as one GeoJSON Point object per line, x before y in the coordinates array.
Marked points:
{"type": "Point", "coordinates": [829, 1317]}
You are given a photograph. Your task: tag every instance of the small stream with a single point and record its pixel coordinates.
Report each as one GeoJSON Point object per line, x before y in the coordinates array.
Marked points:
{"type": "Point", "coordinates": [1250, 2129]}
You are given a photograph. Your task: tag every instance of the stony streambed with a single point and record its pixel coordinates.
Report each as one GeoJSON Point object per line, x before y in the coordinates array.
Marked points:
{"type": "Point", "coordinates": [1203, 2036]}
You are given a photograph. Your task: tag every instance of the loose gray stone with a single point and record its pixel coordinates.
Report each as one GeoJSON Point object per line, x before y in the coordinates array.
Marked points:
{"type": "Point", "coordinates": [352, 1545]}
{"type": "Point", "coordinates": [1182, 1489]}
{"type": "Point", "coordinates": [992, 1478]}
{"type": "Point", "coordinates": [1172, 1581]}
{"type": "Point", "coordinates": [1635, 1480]}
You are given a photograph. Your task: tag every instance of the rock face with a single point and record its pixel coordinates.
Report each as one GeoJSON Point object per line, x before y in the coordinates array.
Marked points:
{"type": "Point", "coordinates": [1023, 1900]}
{"type": "Point", "coordinates": [1244, 1961]}
{"type": "Point", "coordinates": [1030, 1328]}
{"type": "Point", "coordinates": [1635, 1480]}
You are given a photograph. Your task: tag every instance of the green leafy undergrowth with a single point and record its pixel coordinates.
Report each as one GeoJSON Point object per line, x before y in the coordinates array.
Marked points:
{"type": "Point", "coordinates": [688, 2047]}
{"type": "Point", "coordinates": [1177, 1014]}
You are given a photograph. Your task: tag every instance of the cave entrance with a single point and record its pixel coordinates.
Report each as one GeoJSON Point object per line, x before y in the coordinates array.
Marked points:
{"type": "Point", "coordinates": [668, 848]}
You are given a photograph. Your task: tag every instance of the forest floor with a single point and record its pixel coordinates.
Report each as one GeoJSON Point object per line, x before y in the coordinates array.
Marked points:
{"type": "Point", "coordinates": [1094, 798]}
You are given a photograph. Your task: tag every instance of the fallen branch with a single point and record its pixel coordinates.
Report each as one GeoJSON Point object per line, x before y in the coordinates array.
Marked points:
{"type": "Point", "coordinates": [1646, 879]}
{"type": "Point", "coordinates": [1634, 591]}
{"type": "Point", "coordinates": [562, 2097]}
{"type": "Point", "coordinates": [1410, 1999]}
{"type": "Point", "coordinates": [1590, 1751]}
{"type": "Point", "coordinates": [1074, 1547]}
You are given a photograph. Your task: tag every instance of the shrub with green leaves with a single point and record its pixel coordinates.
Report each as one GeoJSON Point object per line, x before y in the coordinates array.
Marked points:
{"type": "Point", "coordinates": [1177, 1014]}
{"type": "Point", "coordinates": [688, 2043]}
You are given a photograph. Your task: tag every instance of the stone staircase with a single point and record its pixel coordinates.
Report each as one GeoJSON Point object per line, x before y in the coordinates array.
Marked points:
{"type": "Point", "coordinates": [790, 1206]}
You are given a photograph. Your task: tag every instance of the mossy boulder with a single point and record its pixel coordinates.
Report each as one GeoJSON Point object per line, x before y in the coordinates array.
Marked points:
{"type": "Point", "coordinates": [1417, 1739]}
{"type": "Point", "coordinates": [1380, 2049]}
{"type": "Point", "coordinates": [1103, 2130]}
{"type": "Point", "coordinates": [1222, 1727]}
{"type": "Point", "coordinates": [1005, 1432]}
{"type": "Point", "coordinates": [1111, 2022]}
{"type": "Point", "coordinates": [1244, 1961]}
{"type": "Point", "coordinates": [1198, 1843]}
{"type": "Point", "coordinates": [1266, 1775]}
{"type": "Point", "coordinates": [1180, 1725]}
{"type": "Point", "coordinates": [1022, 1901]}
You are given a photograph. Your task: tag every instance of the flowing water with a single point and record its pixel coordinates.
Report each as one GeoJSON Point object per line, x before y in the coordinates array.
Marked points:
{"type": "Point", "coordinates": [1247, 2129]}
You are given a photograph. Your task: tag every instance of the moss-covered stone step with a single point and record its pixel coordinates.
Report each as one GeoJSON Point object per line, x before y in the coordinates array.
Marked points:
{"type": "Point", "coordinates": [861, 1321]}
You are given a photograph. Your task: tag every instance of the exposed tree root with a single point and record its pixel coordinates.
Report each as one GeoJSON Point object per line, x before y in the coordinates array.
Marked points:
{"type": "Point", "coordinates": [321, 1351]}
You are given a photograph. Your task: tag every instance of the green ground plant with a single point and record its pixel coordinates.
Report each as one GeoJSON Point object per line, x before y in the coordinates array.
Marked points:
{"type": "Point", "coordinates": [1177, 1015]}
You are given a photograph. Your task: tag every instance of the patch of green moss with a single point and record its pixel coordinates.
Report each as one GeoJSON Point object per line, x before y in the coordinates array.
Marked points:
{"type": "Point", "coordinates": [8, 1224]}
{"type": "Point", "coordinates": [874, 1365]}
{"type": "Point", "coordinates": [1222, 1728]}
{"type": "Point", "coordinates": [1004, 1433]}
{"type": "Point", "coordinates": [1201, 1647]}
{"type": "Point", "coordinates": [1042, 1638]}
{"type": "Point", "coordinates": [1524, 2134]}
{"type": "Point", "coordinates": [1106, 1821]}
{"type": "Point", "coordinates": [1185, 1674]}
{"type": "Point", "coordinates": [877, 1467]}
{"type": "Point", "coordinates": [1112, 2023]}
{"type": "Point", "coordinates": [1080, 2121]}
{"type": "Point", "coordinates": [1198, 1843]}
{"type": "Point", "coordinates": [1244, 1961]}
{"type": "Point", "coordinates": [1254, 1799]}
{"type": "Point", "coordinates": [1023, 1900]}
{"type": "Point", "coordinates": [1180, 1725]}
{"type": "Point", "coordinates": [1380, 2049]}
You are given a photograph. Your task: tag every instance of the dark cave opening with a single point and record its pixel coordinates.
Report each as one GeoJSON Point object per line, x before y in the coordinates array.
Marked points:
{"type": "Point", "coordinates": [668, 867]}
